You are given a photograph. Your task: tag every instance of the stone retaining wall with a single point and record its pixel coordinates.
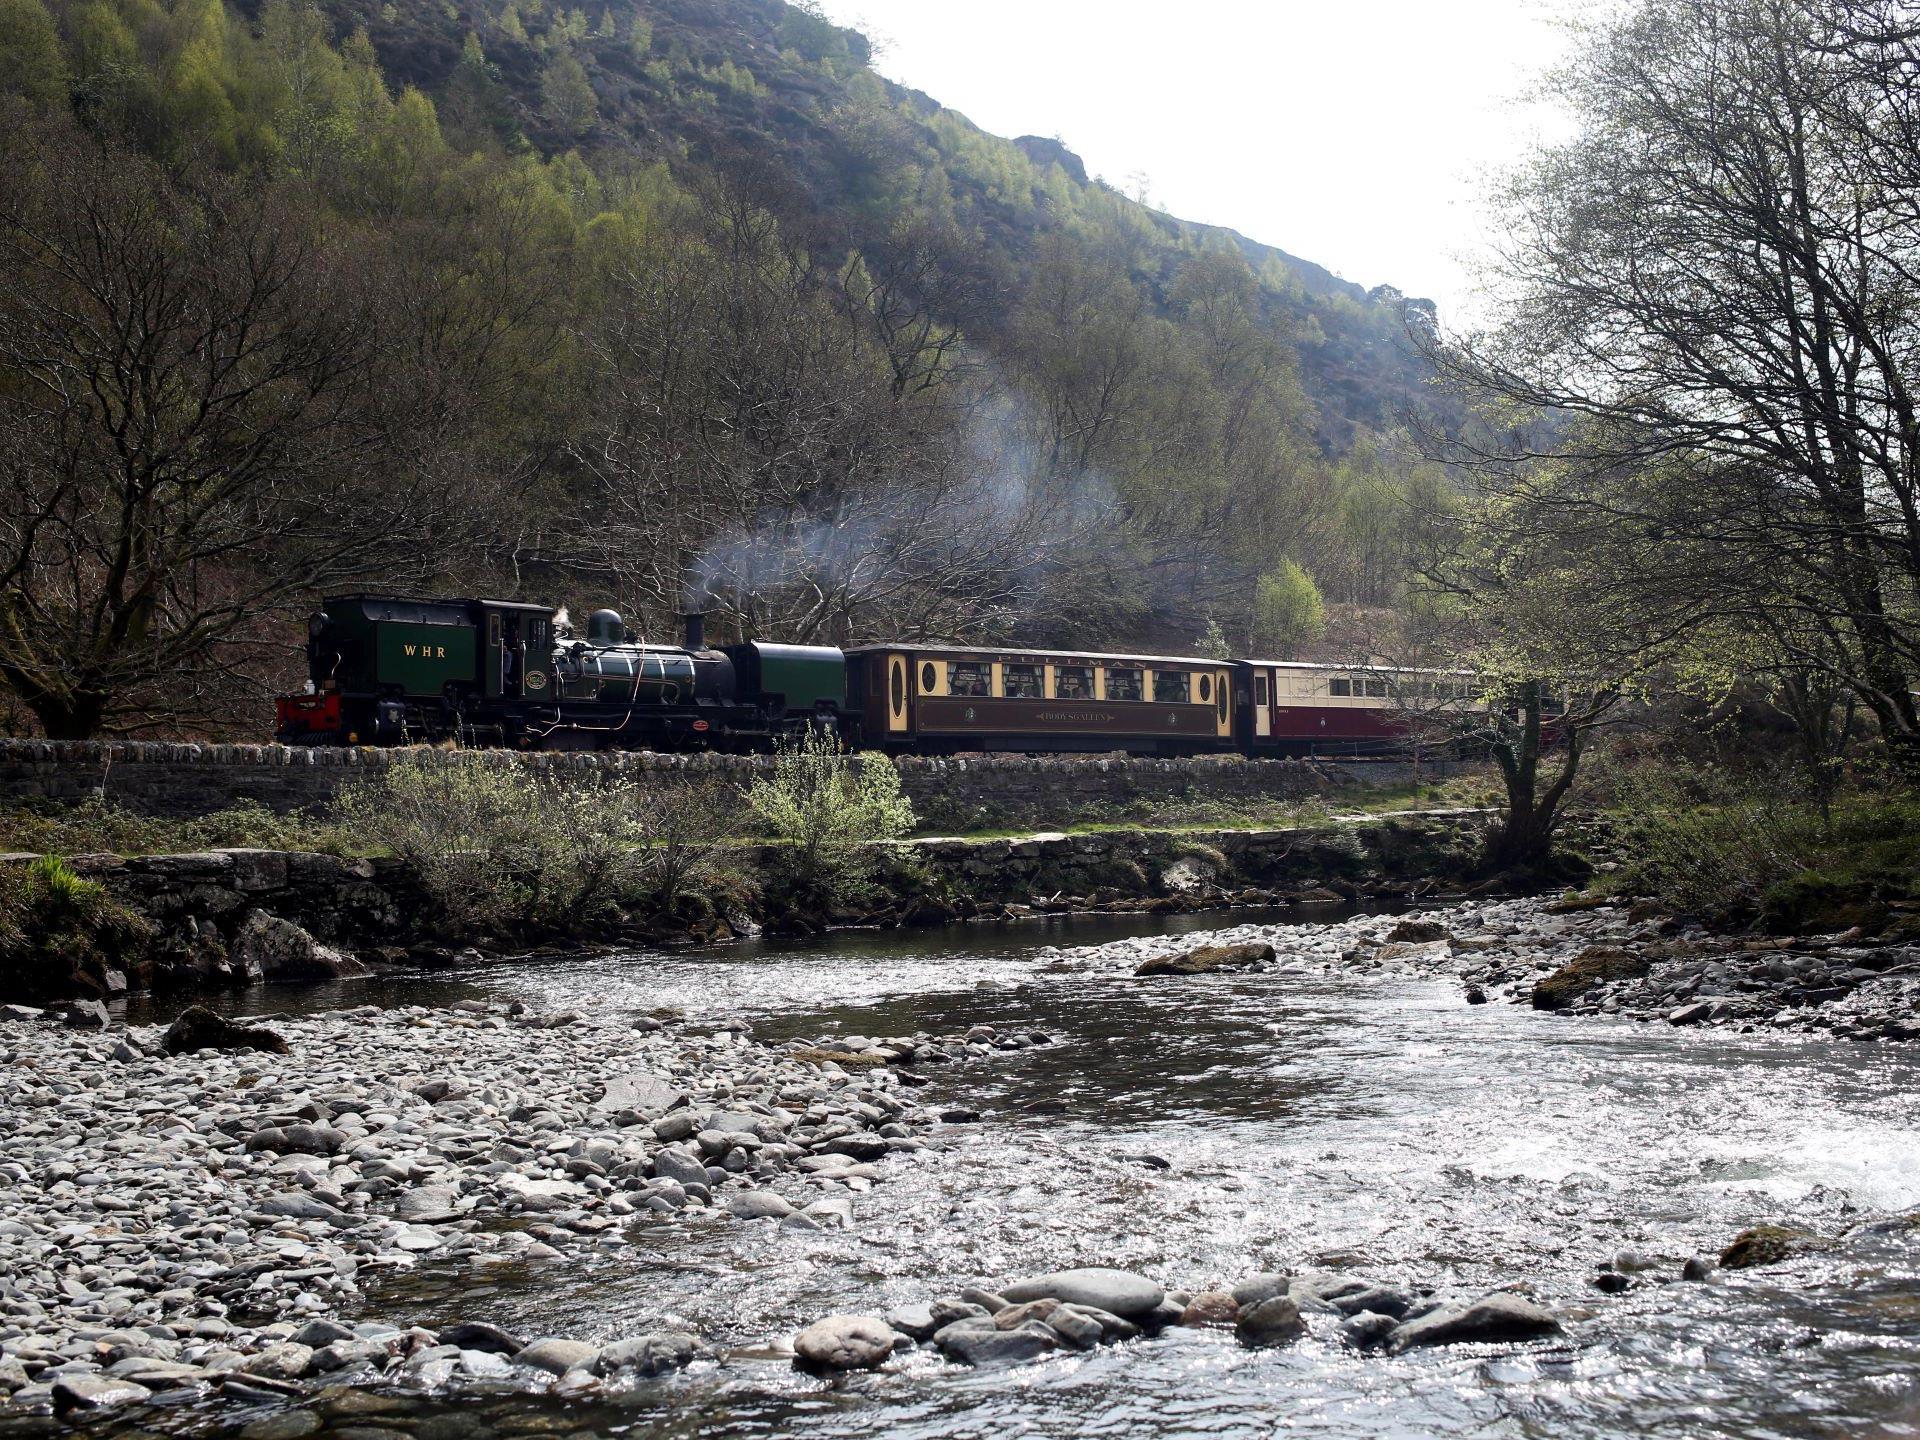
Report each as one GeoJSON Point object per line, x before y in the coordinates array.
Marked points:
{"type": "Point", "coordinates": [200, 902]}
{"type": "Point", "coordinates": [957, 793]}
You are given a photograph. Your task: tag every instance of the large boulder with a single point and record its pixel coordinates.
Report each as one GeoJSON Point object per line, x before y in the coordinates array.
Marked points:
{"type": "Point", "coordinates": [1118, 1292]}
{"type": "Point", "coordinates": [844, 1342]}
{"type": "Point", "coordinates": [197, 1028]}
{"type": "Point", "coordinates": [1593, 966]}
{"type": "Point", "coordinates": [1492, 1318]}
{"type": "Point", "coordinates": [1210, 960]}
{"type": "Point", "coordinates": [277, 949]}
{"type": "Point", "coordinates": [1769, 1245]}
{"type": "Point", "coordinates": [1271, 1322]}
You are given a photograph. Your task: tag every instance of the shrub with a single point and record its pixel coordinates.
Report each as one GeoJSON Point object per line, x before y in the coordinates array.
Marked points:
{"type": "Point", "coordinates": [1737, 845]}
{"type": "Point", "coordinates": [683, 825]}
{"type": "Point", "coordinates": [825, 806]}
{"type": "Point", "coordinates": [495, 846]}
{"type": "Point", "coordinates": [59, 934]}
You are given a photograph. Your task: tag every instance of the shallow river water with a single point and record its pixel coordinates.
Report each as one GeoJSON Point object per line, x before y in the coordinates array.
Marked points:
{"type": "Point", "coordinates": [1375, 1124]}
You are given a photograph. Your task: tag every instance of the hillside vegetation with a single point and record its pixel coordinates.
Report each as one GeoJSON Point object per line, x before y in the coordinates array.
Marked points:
{"type": "Point", "coordinates": [666, 304]}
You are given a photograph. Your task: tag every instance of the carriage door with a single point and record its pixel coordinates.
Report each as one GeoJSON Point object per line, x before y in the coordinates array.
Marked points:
{"type": "Point", "coordinates": [1222, 705]}
{"type": "Point", "coordinates": [896, 694]}
{"type": "Point", "coordinates": [1263, 699]}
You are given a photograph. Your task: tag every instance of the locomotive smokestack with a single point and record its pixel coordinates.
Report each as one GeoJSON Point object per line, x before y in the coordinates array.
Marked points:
{"type": "Point", "coordinates": [696, 630]}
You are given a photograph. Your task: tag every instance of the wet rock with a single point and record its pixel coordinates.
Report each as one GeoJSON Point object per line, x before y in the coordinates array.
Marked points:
{"type": "Point", "coordinates": [557, 1356]}
{"type": "Point", "coordinates": [680, 1166]}
{"type": "Point", "coordinates": [1416, 932]}
{"type": "Point", "coordinates": [316, 1333]}
{"type": "Point", "coordinates": [1382, 1299]}
{"type": "Point", "coordinates": [659, 1353]}
{"type": "Point", "coordinates": [916, 1322]}
{"type": "Point", "coordinates": [1368, 1329]}
{"type": "Point", "coordinates": [1209, 960]}
{"type": "Point", "coordinates": [285, 1361]}
{"type": "Point", "coordinates": [1120, 1292]}
{"type": "Point", "coordinates": [948, 1311]}
{"type": "Point", "coordinates": [278, 949]}
{"type": "Point", "coordinates": [1769, 1245]}
{"type": "Point", "coordinates": [96, 1392]}
{"type": "Point", "coordinates": [198, 1028]}
{"type": "Point", "coordinates": [987, 1300]}
{"type": "Point", "coordinates": [844, 1342]}
{"type": "Point", "coordinates": [1476, 995]}
{"type": "Point", "coordinates": [760, 1205]}
{"type": "Point", "coordinates": [1611, 1282]}
{"type": "Point", "coordinates": [1696, 1269]}
{"type": "Point", "coordinates": [1210, 1308]}
{"type": "Point", "coordinates": [1492, 1318]}
{"type": "Point", "coordinates": [478, 1335]}
{"type": "Point", "coordinates": [1012, 1317]}
{"type": "Point", "coordinates": [1256, 1288]}
{"type": "Point", "coordinates": [1692, 1014]}
{"type": "Point", "coordinates": [1270, 1322]}
{"type": "Point", "coordinates": [86, 1015]}
{"type": "Point", "coordinates": [1080, 1331]}
{"type": "Point", "coordinates": [991, 1348]}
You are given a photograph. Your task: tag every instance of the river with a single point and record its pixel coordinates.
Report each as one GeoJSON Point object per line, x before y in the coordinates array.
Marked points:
{"type": "Point", "coordinates": [1305, 1118]}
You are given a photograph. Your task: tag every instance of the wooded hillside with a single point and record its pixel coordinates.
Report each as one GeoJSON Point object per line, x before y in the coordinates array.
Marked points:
{"type": "Point", "coordinates": [654, 304]}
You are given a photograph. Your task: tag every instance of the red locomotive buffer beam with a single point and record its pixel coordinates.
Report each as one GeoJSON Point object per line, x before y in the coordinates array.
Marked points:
{"type": "Point", "coordinates": [300, 715]}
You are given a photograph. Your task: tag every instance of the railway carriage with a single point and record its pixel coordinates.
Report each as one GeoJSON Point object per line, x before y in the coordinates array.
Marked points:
{"type": "Point", "coordinates": [945, 698]}
{"type": "Point", "coordinates": [1297, 708]}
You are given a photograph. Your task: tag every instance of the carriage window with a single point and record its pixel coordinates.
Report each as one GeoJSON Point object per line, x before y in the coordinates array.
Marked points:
{"type": "Point", "coordinates": [1377, 689]}
{"type": "Point", "coordinates": [1340, 686]}
{"type": "Point", "coordinates": [1073, 682]}
{"type": "Point", "coordinates": [1123, 684]}
{"type": "Point", "coordinates": [1023, 682]}
{"type": "Point", "coordinates": [1259, 689]}
{"type": "Point", "coordinates": [1206, 687]}
{"type": "Point", "coordinates": [929, 678]}
{"type": "Point", "coordinates": [1172, 687]}
{"type": "Point", "coordinates": [969, 677]}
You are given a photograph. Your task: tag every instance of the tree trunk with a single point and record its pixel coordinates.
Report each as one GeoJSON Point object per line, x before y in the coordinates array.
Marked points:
{"type": "Point", "coordinates": [1524, 839]}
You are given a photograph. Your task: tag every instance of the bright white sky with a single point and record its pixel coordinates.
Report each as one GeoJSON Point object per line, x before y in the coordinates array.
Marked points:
{"type": "Point", "coordinates": [1353, 133]}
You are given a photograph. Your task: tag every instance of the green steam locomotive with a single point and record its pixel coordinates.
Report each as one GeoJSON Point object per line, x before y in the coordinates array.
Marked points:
{"type": "Point", "coordinates": [387, 670]}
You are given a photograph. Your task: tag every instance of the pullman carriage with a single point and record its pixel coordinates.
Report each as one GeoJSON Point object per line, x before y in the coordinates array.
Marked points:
{"type": "Point", "coordinates": [946, 698]}
{"type": "Point", "coordinates": [1297, 708]}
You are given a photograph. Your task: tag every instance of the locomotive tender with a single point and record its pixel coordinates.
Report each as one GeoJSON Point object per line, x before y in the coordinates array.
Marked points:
{"type": "Point", "coordinates": [389, 670]}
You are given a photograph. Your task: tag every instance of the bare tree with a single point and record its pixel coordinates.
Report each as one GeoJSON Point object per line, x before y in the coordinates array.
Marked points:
{"type": "Point", "coordinates": [1712, 288]}
{"type": "Point", "coordinates": [180, 427]}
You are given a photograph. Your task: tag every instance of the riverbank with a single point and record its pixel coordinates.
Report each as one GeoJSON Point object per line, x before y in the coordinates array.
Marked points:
{"type": "Point", "coordinates": [1620, 960]}
{"type": "Point", "coordinates": [209, 1243]}
{"type": "Point", "coordinates": [220, 918]}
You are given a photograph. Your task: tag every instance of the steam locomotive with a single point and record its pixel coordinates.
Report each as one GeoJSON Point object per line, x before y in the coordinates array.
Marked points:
{"type": "Point", "coordinates": [388, 670]}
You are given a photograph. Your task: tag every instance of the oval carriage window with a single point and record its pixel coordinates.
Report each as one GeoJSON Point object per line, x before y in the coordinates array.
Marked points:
{"type": "Point", "coordinates": [1206, 689]}
{"type": "Point", "coordinates": [899, 687]}
{"type": "Point", "coordinates": [929, 677]}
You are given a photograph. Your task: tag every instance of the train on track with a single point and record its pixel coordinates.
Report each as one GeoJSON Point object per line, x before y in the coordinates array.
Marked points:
{"type": "Point", "coordinates": [389, 670]}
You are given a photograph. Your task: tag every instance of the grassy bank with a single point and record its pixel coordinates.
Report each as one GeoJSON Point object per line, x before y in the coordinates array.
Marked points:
{"type": "Point", "coordinates": [1751, 848]}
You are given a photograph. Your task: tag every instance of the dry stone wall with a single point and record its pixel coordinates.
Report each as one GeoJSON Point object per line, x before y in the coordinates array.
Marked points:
{"type": "Point", "coordinates": [953, 793]}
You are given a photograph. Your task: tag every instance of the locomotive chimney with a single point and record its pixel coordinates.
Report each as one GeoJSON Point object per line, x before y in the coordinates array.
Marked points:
{"type": "Point", "coordinates": [696, 630]}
